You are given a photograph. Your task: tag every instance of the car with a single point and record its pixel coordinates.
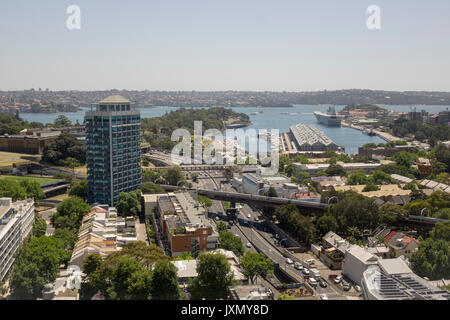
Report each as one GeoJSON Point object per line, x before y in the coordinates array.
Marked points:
{"type": "Point", "coordinates": [312, 282]}
{"type": "Point", "coordinates": [298, 266]}
{"type": "Point", "coordinates": [338, 279]}
{"type": "Point", "coordinates": [289, 261]}
{"type": "Point", "coordinates": [248, 245]}
{"type": "Point", "coordinates": [323, 296]}
{"type": "Point", "coordinates": [217, 218]}
{"type": "Point", "coordinates": [229, 226]}
{"type": "Point", "coordinates": [256, 218]}
{"type": "Point", "coordinates": [305, 271]}
{"type": "Point", "coordinates": [357, 288]}
{"type": "Point", "coordinates": [346, 287]}
{"type": "Point", "coordinates": [249, 216]}
{"type": "Point", "coordinates": [236, 235]}
{"type": "Point", "coordinates": [322, 283]}
{"type": "Point", "coordinates": [310, 261]}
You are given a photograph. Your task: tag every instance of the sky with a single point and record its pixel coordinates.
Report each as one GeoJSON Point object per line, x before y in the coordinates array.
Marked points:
{"type": "Point", "coordinates": [209, 45]}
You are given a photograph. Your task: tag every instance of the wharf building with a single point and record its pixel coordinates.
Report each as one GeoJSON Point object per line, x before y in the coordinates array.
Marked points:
{"type": "Point", "coordinates": [113, 150]}
{"type": "Point", "coordinates": [16, 222]}
{"type": "Point", "coordinates": [309, 138]}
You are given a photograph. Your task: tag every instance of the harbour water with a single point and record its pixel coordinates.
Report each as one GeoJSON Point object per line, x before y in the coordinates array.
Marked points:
{"type": "Point", "coordinates": [271, 118]}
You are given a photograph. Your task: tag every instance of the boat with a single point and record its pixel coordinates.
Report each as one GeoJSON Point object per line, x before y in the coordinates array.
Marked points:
{"type": "Point", "coordinates": [284, 112]}
{"type": "Point", "coordinates": [330, 119]}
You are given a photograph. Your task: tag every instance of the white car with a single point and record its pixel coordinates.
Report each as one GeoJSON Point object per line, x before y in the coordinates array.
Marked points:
{"type": "Point", "coordinates": [311, 261]}
{"type": "Point", "coordinates": [289, 261]}
{"type": "Point", "coordinates": [249, 216]}
{"type": "Point", "coordinates": [248, 245]}
{"type": "Point", "coordinates": [357, 288]}
{"type": "Point", "coordinates": [338, 279]}
{"type": "Point", "coordinates": [323, 296]}
{"type": "Point", "coordinates": [298, 266]}
{"type": "Point", "coordinates": [312, 282]}
{"type": "Point", "coordinates": [305, 271]}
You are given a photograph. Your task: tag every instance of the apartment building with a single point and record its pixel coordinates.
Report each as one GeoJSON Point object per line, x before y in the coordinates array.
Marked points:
{"type": "Point", "coordinates": [16, 222]}
{"type": "Point", "coordinates": [184, 224]}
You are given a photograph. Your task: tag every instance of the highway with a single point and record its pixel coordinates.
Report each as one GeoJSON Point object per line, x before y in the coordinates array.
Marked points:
{"type": "Point", "coordinates": [257, 234]}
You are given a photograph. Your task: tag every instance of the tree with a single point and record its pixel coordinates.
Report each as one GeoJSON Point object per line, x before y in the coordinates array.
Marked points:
{"type": "Point", "coordinates": [214, 277]}
{"type": "Point", "coordinates": [256, 264]}
{"type": "Point", "coordinates": [354, 209]}
{"type": "Point", "coordinates": [92, 263]}
{"type": "Point", "coordinates": [370, 187]}
{"type": "Point", "coordinates": [36, 264]}
{"type": "Point", "coordinates": [20, 190]}
{"type": "Point", "coordinates": [381, 177]}
{"type": "Point", "coordinates": [130, 281]}
{"type": "Point", "coordinates": [326, 223]}
{"type": "Point", "coordinates": [205, 200]}
{"type": "Point", "coordinates": [65, 146]}
{"type": "Point", "coordinates": [80, 190]}
{"type": "Point", "coordinates": [229, 241]}
{"type": "Point", "coordinates": [432, 260]}
{"type": "Point", "coordinates": [150, 187]}
{"type": "Point", "coordinates": [62, 122]}
{"type": "Point", "coordinates": [299, 226]}
{"type": "Point", "coordinates": [69, 213]}
{"type": "Point", "coordinates": [439, 167]}
{"type": "Point", "coordinates": [404, 158]}
{"type": "Point", "coordinates": [441, 231]}
{"type": "Point", "coordinates": [174, 175]}
{"type": "Point", "coordinates": [194, 177]}
{"type": "Point", "coordinates": [129, 203]}
{"type": "Point", "coordinates": [335, 170]}
{"type": "Point", "coordinates": [165, 282]}
{"type": "Point", "coordinates": [272, 193]}
{"type": "Point", "coordinates": [358, 178]}
{"type": "Point", "coordinates": [67, 236]}
{"type": "Point", "coordinates": [39, 227]}
{"type": "Point", "coordinates": [442, 153]}
{"type": "Point", "coordinates": [184, 256]}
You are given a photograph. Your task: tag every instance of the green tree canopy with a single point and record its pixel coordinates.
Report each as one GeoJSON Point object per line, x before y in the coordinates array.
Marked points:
{"type": "Point", "coordinates": [214, 277]}
{"type": "Point", "coordinates": [69, 213]}
{"type": "Point", "coordinates": [256, 264]}
{"type": "Point", "coordinates": [165, 282]}
{"type": "Point", "coordinates": [129, 203]}
{"type": "Point", "coordinates": [79, 190]}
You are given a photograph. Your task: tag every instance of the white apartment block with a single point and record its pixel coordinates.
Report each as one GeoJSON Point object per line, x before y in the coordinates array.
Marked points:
{"type": "Point", "coordinates": [16, 222]}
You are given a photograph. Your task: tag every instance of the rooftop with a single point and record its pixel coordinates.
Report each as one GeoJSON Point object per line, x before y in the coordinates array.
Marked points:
{"type": "Point", "coordinates": [115, 99]}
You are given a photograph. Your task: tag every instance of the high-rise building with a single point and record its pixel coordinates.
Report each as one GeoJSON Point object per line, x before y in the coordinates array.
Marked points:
{"type": "Point", "coordinates": [113, 150]}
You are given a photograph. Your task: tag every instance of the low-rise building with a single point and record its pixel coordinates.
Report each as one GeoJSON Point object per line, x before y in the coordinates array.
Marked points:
{"type": "Point", "coordinates": [257, 183]}
{"type": "Point", "coordinates": [332, 251]}
{"type": "Point", "coordinates": [102, 231]}
{"type": "Point", "coordinates": [356, 261]}
{"type": "Point", "coordinates": [250, 292]}
{"type": "Point", "coordinates": [392, 279]}
{"type": "Point", "coordinates": [16, 222]}
{"type": "Point", "coordinates": [401, 245]}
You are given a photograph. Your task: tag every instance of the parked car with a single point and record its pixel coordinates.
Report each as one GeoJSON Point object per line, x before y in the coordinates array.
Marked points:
{"type": "Point", "coordinates": [306, 271]}
{"type": "Point", "coordinates": [289, 261]}
{"type": "Point", "coordinates": [248, 245]}
{"type": "Point", "coordinates": [322, 283]}
{"type": "Point", "coordinates": [338, 279]}
{"type": "Point", "coordinates": [311, 261]}
{"type": "Point", "coordinates": [323, 296]}
{"type": "Point", "coordinates": [217, 218]}
{"type": "Point", "coordinates": [256, 219]}
{"type": "Point", "coordinates": [347, 287]}
{"type": "Point", "coordinates": [357, 288]}
{"type": "Point", "coordinates": [249, 216]}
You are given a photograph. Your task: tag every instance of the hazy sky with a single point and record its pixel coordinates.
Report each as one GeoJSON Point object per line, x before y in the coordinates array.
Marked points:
{"type": "Point", "coordinates": [225, 45]}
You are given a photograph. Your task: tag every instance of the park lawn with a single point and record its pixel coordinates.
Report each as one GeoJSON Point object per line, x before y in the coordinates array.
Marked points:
{"type": "Point", "coordinates": [20, 178]}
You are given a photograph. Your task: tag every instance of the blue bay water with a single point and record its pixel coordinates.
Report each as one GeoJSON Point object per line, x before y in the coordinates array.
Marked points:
{"type": "Point", "coordinates": [271, 118]}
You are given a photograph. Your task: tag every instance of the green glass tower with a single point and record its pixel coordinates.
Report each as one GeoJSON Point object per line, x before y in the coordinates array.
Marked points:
{"type": "Point", "coordinates": [113, 150]}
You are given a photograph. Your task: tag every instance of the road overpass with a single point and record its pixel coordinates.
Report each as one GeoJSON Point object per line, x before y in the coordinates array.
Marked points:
{"type": "Point", "coordinates": [236, 197]}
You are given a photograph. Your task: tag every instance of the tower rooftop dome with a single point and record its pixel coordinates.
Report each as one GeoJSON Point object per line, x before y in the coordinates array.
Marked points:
{"type": "Point", "coordinates": [114, 99]}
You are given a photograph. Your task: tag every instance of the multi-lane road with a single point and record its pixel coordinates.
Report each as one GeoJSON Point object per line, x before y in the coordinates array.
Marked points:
{"type": "Point", "coordinates": [255, 232]}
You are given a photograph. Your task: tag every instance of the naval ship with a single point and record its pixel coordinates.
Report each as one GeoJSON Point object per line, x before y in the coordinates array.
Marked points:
{"type": "Point", "coordinates": [330, 119]}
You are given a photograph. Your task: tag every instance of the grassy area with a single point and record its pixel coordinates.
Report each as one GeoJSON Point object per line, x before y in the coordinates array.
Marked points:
{"type": "Point", "coordinates": [20, 178]}
{"type": "Point", "coordinates": [59, 197]}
